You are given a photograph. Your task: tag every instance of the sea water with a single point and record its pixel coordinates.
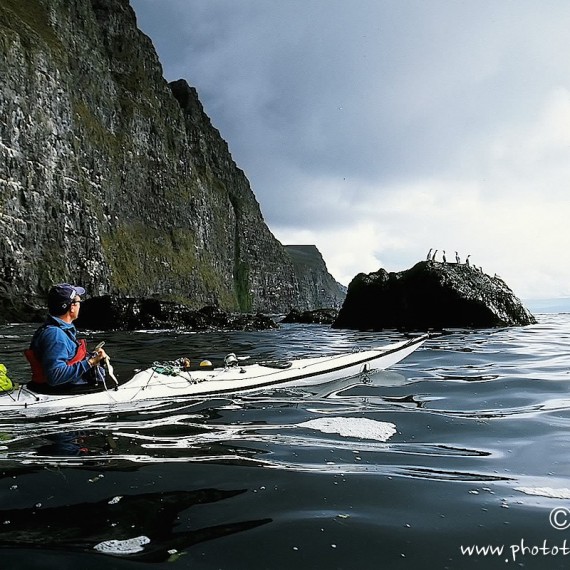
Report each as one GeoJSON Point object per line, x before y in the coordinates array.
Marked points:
{"type": "Point", "coordinates": [457, 457]}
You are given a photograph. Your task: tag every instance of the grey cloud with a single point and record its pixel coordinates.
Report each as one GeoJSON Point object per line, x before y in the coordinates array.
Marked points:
{"type": "Point", "coordinates": [325, 101]}
{"type": "Point", "coordinates": [368, 90]}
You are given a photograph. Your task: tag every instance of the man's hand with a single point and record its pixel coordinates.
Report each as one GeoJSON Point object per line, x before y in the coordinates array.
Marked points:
{"type": "Point", "coordinates": [97, 357]}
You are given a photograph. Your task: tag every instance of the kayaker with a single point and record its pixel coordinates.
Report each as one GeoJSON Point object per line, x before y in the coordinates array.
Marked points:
{"type": "Point", "coordinates": [56, 356]}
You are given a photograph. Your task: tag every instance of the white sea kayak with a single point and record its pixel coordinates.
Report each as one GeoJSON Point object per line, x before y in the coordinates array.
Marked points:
{"type": "Point", "coordinates": [164, 382]}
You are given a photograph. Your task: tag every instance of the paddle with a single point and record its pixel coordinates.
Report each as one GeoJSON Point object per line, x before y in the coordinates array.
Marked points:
{"type": "Point", "coordinates": [111, 372]}
{"type": "Point", "coordinates": [108, 365]}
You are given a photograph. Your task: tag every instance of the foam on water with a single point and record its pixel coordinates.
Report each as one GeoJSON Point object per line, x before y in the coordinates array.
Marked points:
{"type": "Point", "coordinates": [353, 427]}
{"type": "Point", "coordinates": [128, 546]}
{"type": "Point", "coordinates": [550, 492]}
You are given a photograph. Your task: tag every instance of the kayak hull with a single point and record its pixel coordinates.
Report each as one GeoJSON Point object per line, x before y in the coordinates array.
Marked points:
{"type": "Point", "coordinates": [160, 384]}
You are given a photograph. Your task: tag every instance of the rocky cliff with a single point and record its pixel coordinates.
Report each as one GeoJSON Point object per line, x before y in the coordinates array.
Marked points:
{"type": "Point", "coordinates": [319, 287]}
{"type": "Point", "coordinates": [430, 295]}
{"type": "Point", "coordinates": [115, 179]}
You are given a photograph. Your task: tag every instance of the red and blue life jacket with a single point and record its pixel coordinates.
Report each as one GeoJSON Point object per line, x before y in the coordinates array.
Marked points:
{"type": "Point", "coordinates": [38, 373]}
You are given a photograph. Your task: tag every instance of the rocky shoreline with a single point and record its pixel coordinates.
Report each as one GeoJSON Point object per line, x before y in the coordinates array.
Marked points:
{"type": "Point", "coordinates": [428, 296]}
{"type": "Point", "coordinates": [120, 313]}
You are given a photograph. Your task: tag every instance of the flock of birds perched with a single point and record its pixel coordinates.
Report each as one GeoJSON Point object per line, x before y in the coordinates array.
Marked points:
{"type": "Point", "coordinates": [431, 256]}
{"type": "Point", "coordinates": [432, 253]}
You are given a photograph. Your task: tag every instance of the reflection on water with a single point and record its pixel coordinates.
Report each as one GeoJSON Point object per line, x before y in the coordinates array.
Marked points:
{"type": "Point", "coordinates": [467, 438]}
{"type": "Point", "coordinates": [164, 520]}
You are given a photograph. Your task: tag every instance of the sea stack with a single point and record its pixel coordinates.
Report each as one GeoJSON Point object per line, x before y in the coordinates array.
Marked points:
{"type": "Point", "coordinates": [430, 296]}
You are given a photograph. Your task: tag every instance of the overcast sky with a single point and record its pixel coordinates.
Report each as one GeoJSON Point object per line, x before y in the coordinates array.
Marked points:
{"type": "Point", "coordinates": [377, 129]}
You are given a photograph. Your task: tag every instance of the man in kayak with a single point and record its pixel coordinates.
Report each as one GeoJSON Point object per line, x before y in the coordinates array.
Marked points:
{"type": "Point", "coordinates": [56, 356]}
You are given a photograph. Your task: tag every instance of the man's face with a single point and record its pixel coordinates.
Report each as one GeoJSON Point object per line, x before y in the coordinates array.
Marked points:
{"type": "Point", "coordinates": [74, 307]}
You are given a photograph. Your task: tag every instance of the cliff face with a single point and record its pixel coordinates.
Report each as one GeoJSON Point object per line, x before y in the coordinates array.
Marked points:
{"type": "Point", "coordinates": [320, 288]}
{"type": "Point", "coordinates": [112, 178]}
{"type": "Point", "coordinates": [430, 295]}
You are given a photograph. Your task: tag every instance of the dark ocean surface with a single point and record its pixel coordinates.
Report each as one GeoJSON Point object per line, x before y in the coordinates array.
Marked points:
{"type": "Point", "coordinates": [458, 457]}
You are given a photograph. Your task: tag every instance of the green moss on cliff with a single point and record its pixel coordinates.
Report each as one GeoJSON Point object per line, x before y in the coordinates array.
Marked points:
{"type": "Point", "coordinates": [241, 268]}
{"type": "Point", "coordinates": [52, 267]}
{"type": "Point", "coordinates": [29, 19]}
{"type": "Point", "coordinates": [137, 252]}
{"type": "Point", "coordinates": [241, 280]}
{"type": "Point", "coordinates": [96, 131]}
